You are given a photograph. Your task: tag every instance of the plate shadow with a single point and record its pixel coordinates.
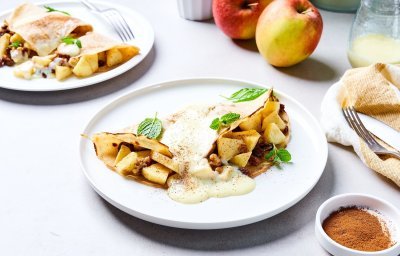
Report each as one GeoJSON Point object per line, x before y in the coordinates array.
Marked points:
{"type": "Point", "coordinates": [258, 233]}
{"type": "Point", "coordinates": [84, 93]}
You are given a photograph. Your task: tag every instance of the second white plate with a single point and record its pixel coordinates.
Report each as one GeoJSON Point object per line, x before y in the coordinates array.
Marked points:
{"type": "Point", "coordinates": [144, 39]}
{"type": "Point", "coordinates": [276, 190]}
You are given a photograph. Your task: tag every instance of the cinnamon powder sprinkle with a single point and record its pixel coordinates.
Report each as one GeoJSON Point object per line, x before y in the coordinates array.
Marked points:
{"type": "Point", "coordinates": [357, 229]}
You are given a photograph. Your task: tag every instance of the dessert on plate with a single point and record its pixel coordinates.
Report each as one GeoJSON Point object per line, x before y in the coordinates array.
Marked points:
{"type": "Point", "coordinates": [202, 150]}
{"type": "Point", "coordinates": [45, 42]}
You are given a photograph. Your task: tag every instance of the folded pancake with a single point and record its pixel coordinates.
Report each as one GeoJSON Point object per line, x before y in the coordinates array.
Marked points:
{"type": "Point", "coordinates": [94, 43]}
{"type": "Point", "coordinates": [44, 30]}
{"type": "Point", "coordinates": [99, 53]}
{"type": "Point", "coordinates": [199, 161]}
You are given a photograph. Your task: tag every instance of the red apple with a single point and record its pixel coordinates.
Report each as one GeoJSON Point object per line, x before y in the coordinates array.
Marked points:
{"type": "Point", "coordinates": [288, 31]}
{"type": "Point", "coordinates": [238, 18]}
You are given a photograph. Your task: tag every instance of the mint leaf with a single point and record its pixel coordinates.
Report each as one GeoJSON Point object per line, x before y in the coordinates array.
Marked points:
{"type": "Point", "coordinates": [70, 40]}
{"type": "Point", "coordinates": [51, 9]}
{"type": "Point", "coordinates": [215, 124]}
{"type": "Point", "coordinates": [150, 127]}
{"type": "Point", "coordinates": [246, 94]}
{"type": "Point", "coordinates": [278, 156]}
{"type": "Point", "coordinates": [284, 155]}
{"type": "Point", "coordinates": [270, 154]}
{"type": "Point", "coordinates": [15, 44]}
{"type": "Point", "coordinates": [224, 120]}
{"type": "Point", "coordinates": [229, 118]}
{"type": "Point", "coordinates": [78, 43]}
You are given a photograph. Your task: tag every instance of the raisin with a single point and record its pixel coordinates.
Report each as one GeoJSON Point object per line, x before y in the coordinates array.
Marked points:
{"type": "Point", "coordinates": [262, 148]}
{"type": "Point", "coordinates": [254, 161]}
{"type": "Point", "coordinates": [7, 61]}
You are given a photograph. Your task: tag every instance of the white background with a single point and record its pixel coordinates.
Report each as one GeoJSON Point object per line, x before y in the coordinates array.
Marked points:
{"type": "Point", "coordinates": [47, 206]}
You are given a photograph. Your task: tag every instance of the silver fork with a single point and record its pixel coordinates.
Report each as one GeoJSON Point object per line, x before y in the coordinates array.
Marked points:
{"type": "Point", "coordinates": [114, 17]}
{"type": "Point", "coordinates": [356, 124]}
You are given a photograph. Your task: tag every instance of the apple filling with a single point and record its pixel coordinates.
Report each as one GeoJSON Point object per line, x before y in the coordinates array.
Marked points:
{"type": "Point", "coordinates": [138, 157]}
{"type": "Point", "coordinates": [247, 145]}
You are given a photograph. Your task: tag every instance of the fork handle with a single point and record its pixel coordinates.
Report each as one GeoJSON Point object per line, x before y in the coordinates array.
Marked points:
{"type": "Point", "coordinates": [89, 5]}
{"type": "Point", "coordinates": [390, 153]}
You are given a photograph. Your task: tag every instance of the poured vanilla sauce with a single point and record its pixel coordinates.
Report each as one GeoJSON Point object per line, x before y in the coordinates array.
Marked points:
{"type": "Point", "coordinates": [192, 189]}
{"type": "Point", "coordinates": [191, 140]}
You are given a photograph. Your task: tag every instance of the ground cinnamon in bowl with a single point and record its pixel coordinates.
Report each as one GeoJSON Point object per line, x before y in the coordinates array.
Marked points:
{"type": "Point", "coordinates": [357, 228]}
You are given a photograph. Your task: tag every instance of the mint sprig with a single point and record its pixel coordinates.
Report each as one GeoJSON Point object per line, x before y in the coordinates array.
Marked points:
{"type": "Point", "coordinates": [246, 94]}
{"type": "Point", "coordinates": [70, 40]}
{"type": "Point", "coordinates": [15, 44]}
{"type": "Point", "coordinates": [278, 156]}
{"type": "Point", "coordinates": [51, 9]}
{"type": "Point", "coordinates": [224, 120]}
{"type": "Point", "coordinates": [150, 127]}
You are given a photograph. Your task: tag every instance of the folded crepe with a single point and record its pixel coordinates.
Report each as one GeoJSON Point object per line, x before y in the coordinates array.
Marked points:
{"type": "Point", "coordinates": [44, 30]}
{"type": "Point", "coordinates": [189, 144]}
{"type": "Point", "coordinates": [373, 91]}
{"type": "Point", "coordinates": [117, 52]}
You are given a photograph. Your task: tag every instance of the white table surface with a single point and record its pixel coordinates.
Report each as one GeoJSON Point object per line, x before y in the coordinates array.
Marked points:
{"type": "Point", "coordinates": [47, 206]}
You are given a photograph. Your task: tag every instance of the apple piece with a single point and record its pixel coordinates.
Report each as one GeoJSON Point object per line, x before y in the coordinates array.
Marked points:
{"type": "Point", "coordinates": [82, 68]}
{"type": "Point", "coordinates": [62, 72]}
{"type": "Point", "coordinates": [273, 134]}
{"type": "Point", "coordinates": [4, 42]}
{"type": "Point", "coordinates": [238, 18]}
{"type": "Point", "coordinates": [203, 170]}
{"type": "Point", "coordinates": [122, 152]}
{"type": "Point", "coordinates": [127, 164]}
{"type": "Point", "coordinates": [251, 141]}
{"type": "Point", "coordinates": [16, 38]}
{"type": "Point", "coordinates": [164, 160]}
{"type": "Point", "coordinates": [274, 118]}
{"type": "Point", "coordinates": [252, 122]}
{"type": "Point", "coordinates": [288, 31]}
{"type": "Point", "coordinates": [93, 61]}
{"type": "Point", "coordinates": [250, 138]}
{"type": "Point", "coordinates": [24, 70]}
{"type": "Point", "coordinates": [241, 159]}
{"type": "Point", "coordinates": [228, 148]}
{"type": "Point", "coordinates": [270, 106]}
{"type": "Point", "coordinates": [173, 179]}
{"type": "Point", "coordinates": [114, 57]}
{"type": "Point", "coordinates": [44, 61]}
{"type": "Point", "coordinates": [156, 173]}
{"type": "Point", "coordinates": [144, 153]}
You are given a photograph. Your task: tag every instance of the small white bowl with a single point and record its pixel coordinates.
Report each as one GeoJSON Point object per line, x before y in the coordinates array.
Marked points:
{"type": "Point", "coordinates": [389, 213]}
{"type": "Point", "coordinates": [195, 9]}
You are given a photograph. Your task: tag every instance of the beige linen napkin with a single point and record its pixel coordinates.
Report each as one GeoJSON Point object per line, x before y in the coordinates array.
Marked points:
{"type": "Point", "coordinates": [374, 91]}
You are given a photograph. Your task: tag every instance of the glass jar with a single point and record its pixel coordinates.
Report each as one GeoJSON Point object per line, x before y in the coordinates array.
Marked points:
{"type": "Point", "coordinates": [337, 5]}
{"type": "Point", "coordinates": [375, 34]}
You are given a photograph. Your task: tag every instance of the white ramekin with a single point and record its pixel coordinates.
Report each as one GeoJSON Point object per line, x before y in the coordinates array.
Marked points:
{"type": "Point", "coordinates": [195, 9]}
{"type": "Point", "coordinates": [388, 211]}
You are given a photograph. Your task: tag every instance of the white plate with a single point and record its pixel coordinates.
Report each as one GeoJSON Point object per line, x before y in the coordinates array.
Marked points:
{"type": "Point", "coordinates": [144, 39]}
{"type": "Point", "coordinates": [276, 190]}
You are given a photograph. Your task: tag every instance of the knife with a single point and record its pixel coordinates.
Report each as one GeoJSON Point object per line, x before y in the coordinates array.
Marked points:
{"type": "Point", "coordinates": [382, 131]}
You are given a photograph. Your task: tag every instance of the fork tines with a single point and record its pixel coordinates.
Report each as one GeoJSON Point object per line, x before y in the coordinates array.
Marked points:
{"type": "Point", "coordinates": [355, 122]}
{"type": "Point", "coordinates": [119, 23]}
{"type": "Point", "coordinates": [115, 18]}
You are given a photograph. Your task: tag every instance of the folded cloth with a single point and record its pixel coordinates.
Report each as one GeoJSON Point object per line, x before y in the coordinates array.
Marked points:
{"type": "Point", "coordinates": [374, 91]}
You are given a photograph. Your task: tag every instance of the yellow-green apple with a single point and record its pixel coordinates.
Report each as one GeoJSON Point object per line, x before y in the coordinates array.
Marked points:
{"type": "Point", "coordinates": [238, 18]}
{"type": "Point", "coordinates": [288, 31]}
